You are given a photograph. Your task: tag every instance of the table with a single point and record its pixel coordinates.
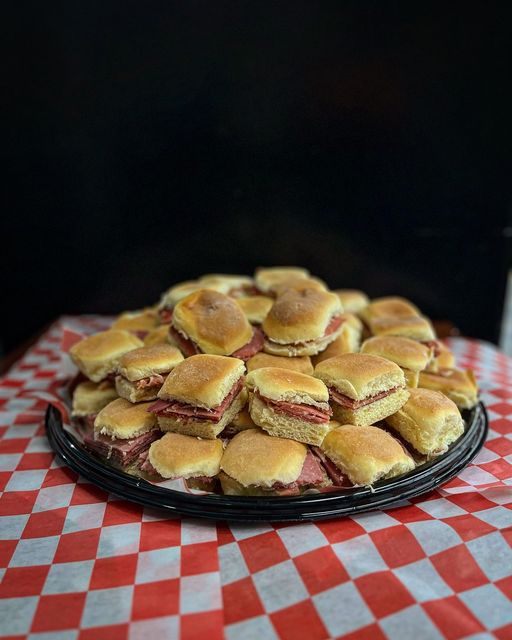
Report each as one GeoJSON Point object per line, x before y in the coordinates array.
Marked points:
{"type": "Point", "coordinates": [77, 563]}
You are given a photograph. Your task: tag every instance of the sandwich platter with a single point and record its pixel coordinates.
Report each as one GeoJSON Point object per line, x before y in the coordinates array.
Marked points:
{"type": "Point", "coordinates": [314, 506]}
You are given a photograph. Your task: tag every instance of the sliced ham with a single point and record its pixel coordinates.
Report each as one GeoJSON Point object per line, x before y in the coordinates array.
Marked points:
{"type": "Point", "coordinates": [350, 403]}
{"type": "Point", "coordinates": [185, 345]}
{"type": "Point", "coordinates": [333, 326]}
{"type": "Point", "coordinates": [182, 410]}
{"type": "Point", "coordinates": [254, 345]}
{"type": "Point", "coordinates": [434, 345]}
{"type": "Point", "coordinates": [165, 315]}
{"type": "Point", "coordinates": [122, 452]}
{"type": "Point", "coordinates": [312, 474]}
{"type": "Point", "coordinates": [336, 475]}
{"type": "Point", "coordinates": [305, 412]}
{"type": "Point", "coordinates": [156, 380]}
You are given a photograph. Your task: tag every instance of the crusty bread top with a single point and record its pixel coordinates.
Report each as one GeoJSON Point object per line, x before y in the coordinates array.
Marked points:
{"type": "Point", "coordinates": [145, 320]}
{"type": "Point", "coordinates": [160, 335]}
{"type": "Point", "coordinates": [353, 300]}
{"type": "Point", "coordinates": [351, 444]}
{"type": "Point", "coordinates": [288, 386]}
{"type": "Point", "coordinates": [213, 321]}
{"type": "Point", "coordinates": [267, 278]}
{"type": "Point", "coordinates": [103, 346]}
{"type": "Point", "coordinates": [460, 380]}
{"type": "Point", "coordinates": [254, 458]}
{"type": "Point", "coordinates": [390, 307]}
{"type": "Point", "coordinates": [360, 376]}
{"type": "Point", "coordinates": [427, 407]}
{"type": "Point", "coordinates": [124, 420]}
{"type": "Point", "coordinates": [146, 361]}
{"type": "Point", "coordinates": [179, 456]}
{"type": "Point", "coordinates": [300, 316]}
{"type": "Point", "coordinates": [302, 364]}
{"type": "Point", "coordinates": [407, 353]}
{"type": "Point", "coordinates": [177, 292]}
{"type": "Point", "coordinates": [91, 397]}
{"type": "Point", "coordinates": [202, 380]}
{"type": "Point", "coordinates": [255, 308]}
{"type": "Point", "coordinates": [414, 327]}
{"type": "Point", "coordinates": [299, 283]}
{"type": "Point", "coordinates": [225, 281]}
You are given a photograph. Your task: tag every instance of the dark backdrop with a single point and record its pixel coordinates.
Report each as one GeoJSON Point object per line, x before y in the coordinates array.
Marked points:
{"type": "Point", "coordinates": [150, 142]}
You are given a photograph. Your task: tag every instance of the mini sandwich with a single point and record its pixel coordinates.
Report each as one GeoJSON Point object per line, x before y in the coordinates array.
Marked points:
{"type": "Point", "coordinates": [122, 432]}
{"type": "Point", "coordinates": [428, 421]}
{"type": "Point", "coordinates": [141, 372]}
{"type": "Point", "coordinates": [352, 300]}
{"type": "Point", "coordinates": [414, 327]}
{"type": "Point", "coordinates": [138, 322]}
{"type": "Point", "coordinates": [177, 456]}
{"type": "Point", "coordinates": [172, 296]}
{"type": "Point", "coordinates": [302, 323]}
{"type": "Point", "coordinates": [89, 398]}
{"type": "Point", "coordinates": [289, 404]}
{"type": "Point", "coordinates": [411, 356]}
{"type": "Point", "coordinates": [299, 283]}
{"type": "Point", "coordinates": [389, 307]}
{"type": "Point", "coordinates": [460, 386]}
{"type": "Point", "coordinates": [160, 335]}
{"type": "Point", "coordinates": [234, 286]}
{"type": "Point", "coordinates": [442, 358]}
{"type": "Point", "coordinates": [211, 322]}
{"type": "Point", "coordinates": [255, 308]}
{"type": "Point", "coordinates": [97, 356]}
{"type": "Point", "coordinates": [255, 464]}
{"type": "Point", "coordinates": [302, 364]}
{"type": "Point", "coordinates": [201, 396]}
{"type": "Point", "coordinates": [348, 341]}
{"type": "Point", "coordinates": [363, 389]}
{"type": "Point", "coordinates": [363, 454]}
{"type": "Point", "coordinates": [268, 278]}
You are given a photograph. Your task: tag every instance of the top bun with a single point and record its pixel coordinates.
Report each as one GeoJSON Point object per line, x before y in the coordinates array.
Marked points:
{"type": "Point", "coordinates": [414, 327]}
{"type": "Point", "coordinates": [124, 420]}
{"type": "Point", "coordinates": [90, 397]}
{"type": "Point", "coordinates": [302, 364]}
{"type": "Point", "coordinates": [225, 283]}
{"type": "Point", "coordinates": [407, 353]}
{"type": "Point", "coordinates": [268, 278]}
{"type": "Point", "coordinates": [98, 355]}
{"type": "Point", "coordinates": [213, 321]}
{"type": "Point", "coordinates": [299, 283]}
{"type": "Point", "coordinates": [179, 456]}
{"type": "Point", "coordinates": [353, 300]}
{"type": "Point", "coordinates": [134, 321]}
{"type": "Point", "coordinates": [390, 307]}
{"type": "Point", "coordinates": [147, 361]}
{"type": "Point", "coordinates": [255, 307]}
{"type": "Point", "coordinates": [288, 386]}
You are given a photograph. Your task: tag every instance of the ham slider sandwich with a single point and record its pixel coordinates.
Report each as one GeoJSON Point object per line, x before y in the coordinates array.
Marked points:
{"type": "Point", "coordinates": [363, 454]}
{"type": "Point", "coordinates": [413, 327]}
{"type": "Point", "coordinates": [255, 464]}
{"type": "Point", "coordinates": [302, 323]}
{"type": "Point", "coordinates": [442, 358]}
{"type": "Point", "coordinates": [428, 421]}
{"type": "Point", "coordinates": [289, 404]}
{"type": "Point", "coordinates": [352, 300]}
{"type": "Point", "coordinates": [389, 307]}
{"type": "Point", "coordinates": [201, 396]}
{"type": "Point", "coordinates": [97, 356]}
{"type": "Point", "coordinates": [89, 398]}
{"type": "Point", "coordinates": [160, 335]}
{"type": "Point", "coordinates": [460, 386]}
{"type": "Point", "coordinates": [411, 356]}
{"type": "Point", "coordinates": [348, 341]}
{"type": "Point", "coordinates": [138, 322]}
{"type": "Point", "coordinates": [172, 296]}
{"type": "Point", "coordinates": [234, 286]}
{"type": "Point", "coordinates": [141, 372]}
{"type": "Point", "coordinates": [302, 364]}
{"type": "Point", "coordinates": [363, 389]}
{"type": "Point", "coordinates": [177, 456]}
{"type": "Point", "coordinates": [122, 432]}
{"type": "Point", "coordinates": [267, 279]}
{"type": "Point", "coordinates": [255, 308]}
{"type": "Point", "coordinates": [211, 322]}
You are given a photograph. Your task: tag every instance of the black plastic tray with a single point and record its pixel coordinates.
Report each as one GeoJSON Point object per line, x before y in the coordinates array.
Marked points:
{"type": "Point", "coordinates": [385, 493]}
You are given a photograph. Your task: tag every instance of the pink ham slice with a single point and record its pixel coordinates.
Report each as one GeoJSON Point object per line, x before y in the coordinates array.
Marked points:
{"type": "Point", "coordinates": [156, 380]}
{"type": "Point", "coordinates": [122, 452]}
{"type": "Point", "coordinates": [312, 474]}
{"type": "Point", "coordinates": [183, 411]}
{"type": "Point", "coordinates": [305, 412]}
{"type": "Point", "coordinates": [254, 345]}
{"type": "Point", "coordinates": [350, 403]}
{"type": "Point", "coordinates": [165, 315]}
{"type": "Point", "coordinates": [336, 475]}
{"type": "Point", "coordinates": [185, 345]}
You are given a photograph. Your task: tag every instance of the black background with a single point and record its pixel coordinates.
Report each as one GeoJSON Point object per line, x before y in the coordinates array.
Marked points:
{"type": "Point", "coordinates": [149, 142]}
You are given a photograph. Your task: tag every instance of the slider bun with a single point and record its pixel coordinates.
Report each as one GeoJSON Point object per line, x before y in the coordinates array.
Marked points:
{"type": "Point", "coordinates": [445, 359]}
{"type": "Point", "coordinates": [202, 380]}
{"type": "Point", "coordinates": [407, 353]}
{"type": "Point", "coordinates": [213, 321]}
{"type": "Point", "coordinates": [390, 307]}
{"type": "Point", "coordinates": [300, 350]}
{"type": "Point", "coordinates": [372, 412]}
{"type": "Point", "coordinates": [302, 364]}
{"type": "Point", "coordinates": [254, 458]}
{"type": "Point", "coordinates": [460, 386]}
{"type": "Point", "coordinates": [288, 386]}
{"type": "Point", "coordinates": [414, 327]}
{"type": "Point", "coordinates": [91, 397]}
{"type": "Point", "coordinates": [124, 420]}
{"type": "Point", "coordinates": [353, 300]}
{"type": "Point", "coordinates": [179, 456]}
{"type": "Point", "coordinates": [129, 391]}
{"type": "Point", "coordinates": [299, 283]}
{"type": "Point", "coordinates": [160, 335]}
{"type": "Point", "coordinates": [225, 282]}
{"type": "Point", "coordinates": [146, 361]}
{"type": "Point", "coordinates": [177, 292]}
{"type": "Point", "coordinates": [98, 355]}
{"type": "Point", "coordinates": [347, 342]}
{"type": "Point", "coordinates": [267, 278]}
{"type": "Point", "coordinates": [366, 454]}
{"type": "Point", "coordinates": [285, 426]}
{"type": "Point", "coordinates": [255, 308]}
{"type": "Point", "coordinates": [429, 421]}
{"type": "Point", "coordinates": [300, 316]}
{"type": "Point", "coordinates": [204, 428]}
{"type": "Point", "coordinates": [145, 320]}
{"type": "Point", "coordinates": [359, 376]}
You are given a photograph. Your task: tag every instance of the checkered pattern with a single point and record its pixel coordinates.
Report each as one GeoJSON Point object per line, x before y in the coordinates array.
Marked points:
{"type": "Point", "coordinates": [78, 563]}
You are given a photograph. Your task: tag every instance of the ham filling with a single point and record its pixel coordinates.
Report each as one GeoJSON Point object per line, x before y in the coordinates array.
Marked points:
{"type": "Point", "coordinates": [337, 476]}
{"type": "Point", "coordinates": [305, 412]}
{"type": "Point", "coordinates": [155, 380]}
{"type": "Point", "coordinates": [189, 348]}
{"type": "Point", "coordinates": [434, 345]}
{"type": "Point", "coordinates": [184, 411]}
{"type": "Point", "coordinates": [165, 315]}
{"type": "Point", "coordinates": [333, 326]}
{"type": "Point", "coordinates": [122, 452]}
{"type": "Point", "coordinates": [350, 403]}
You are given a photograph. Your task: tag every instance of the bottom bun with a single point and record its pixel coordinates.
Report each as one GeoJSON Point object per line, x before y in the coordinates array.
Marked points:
{"type": "Point", "coordinates": [371, 413]}
{"type": "Point", "coordinates": [230, 487]}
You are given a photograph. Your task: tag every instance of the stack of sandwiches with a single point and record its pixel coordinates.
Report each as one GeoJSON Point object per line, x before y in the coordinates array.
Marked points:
{"type": "Point", "coordinates": [261, 386]}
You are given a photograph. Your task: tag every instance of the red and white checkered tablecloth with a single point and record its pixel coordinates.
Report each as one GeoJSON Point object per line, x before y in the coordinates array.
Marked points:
{"type": "Point", "coordinates": [78, 563]}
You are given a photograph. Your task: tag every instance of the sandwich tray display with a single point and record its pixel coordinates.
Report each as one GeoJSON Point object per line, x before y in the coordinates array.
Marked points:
{"type": "Point", "coordinates": [314, 506]}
